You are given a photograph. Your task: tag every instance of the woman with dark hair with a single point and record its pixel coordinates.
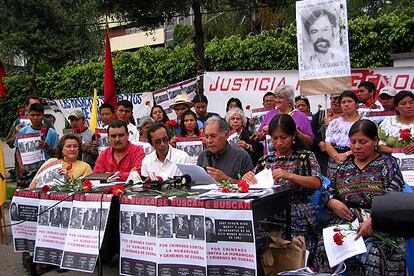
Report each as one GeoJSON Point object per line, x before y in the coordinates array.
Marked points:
{"type": "Point", "coordinates": [291, 165]}
{"type": "Point", "coordinates": [337, 140]}
{"type": "Point", "coordinates": [362, 176]}
{"type": "Point", "coordinates": [302, 104]}
{"type": "Point", "coordinates": [396, 133]}
{"type": "Point", "coordinates": [68, 156]}
{"type": "Point", "coordinates": [188, 124]}
{"type": "Point", "coordinates": [158, 114]}
{"type": "Point", "coordinates": [233, 103]}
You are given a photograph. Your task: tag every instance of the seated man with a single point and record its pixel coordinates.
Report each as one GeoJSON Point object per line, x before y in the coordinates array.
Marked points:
{"type": "Point", "coordinates": [162, 161]}
{"type": "Point", "coordinates": [222, 161]}
{"type": "Point", "coordinates": [121, 156]}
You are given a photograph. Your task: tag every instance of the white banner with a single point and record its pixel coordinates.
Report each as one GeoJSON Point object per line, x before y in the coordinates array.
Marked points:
{"type": "Point", "coordinates": [250, 86]}
{"type": "Point", "coordinates": [406, 163]}
{"type": "Point", "coordinates": [322, 35]}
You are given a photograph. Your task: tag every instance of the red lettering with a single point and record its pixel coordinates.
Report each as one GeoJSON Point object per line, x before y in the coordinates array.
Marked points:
{"type": "Point", "coordinates": [237, 84]}
{"type": "Point", "coordinates": [397, 82]}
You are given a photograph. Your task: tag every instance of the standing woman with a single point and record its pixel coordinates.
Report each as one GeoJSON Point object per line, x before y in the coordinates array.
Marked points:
{"type": "Point", "coordinates": [337, 140]}
{"type": "Point", "coordinates": [188, 124]}
{"type": "Point", "coordinates": [233, 103]}
{"type": "Point", "coordinates": [158, 114]}
{"type": "Point", "coordinates": [396, 133]}
{"type": "Point", "coordinates": [302, 104]}
{"type": "Point", "coordinates": [291, 165]}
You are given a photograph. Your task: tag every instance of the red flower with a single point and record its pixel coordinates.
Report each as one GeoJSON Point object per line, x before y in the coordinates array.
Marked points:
{"type": "Point", "coordinates": [248, 107]}
{"type": "Point", "coordinates": [337, 229]}
{"type": "Point", "coordinates": [22, 112]}
{"type": "Point", "coordinates": [46, 188]}
{"type": "Point", "coordinates": [225, 190]}
{"type": "Point", "coordinates": [405, 134]}
{"type": "Point", "coordinates": [97, 134]}
{"type": "Point", "coordinates": [69, 167]}
{"type": "Point", "coordinates": [43, 130]}
{"type": "Point", "coordinates": [87, 186]}
{"type": "Point", "coordinates": [171, 123]}
{"type": "Point", "coordinates": [339, 238]}
{"type": "Point", "coordinates": [243, 186]}
{"type": "Point", "coordinates": [371, 104]}
{"type": "Point", "coordinates": [116, 190]}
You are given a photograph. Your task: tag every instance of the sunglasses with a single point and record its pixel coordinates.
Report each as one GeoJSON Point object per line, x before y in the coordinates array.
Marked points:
{"type": "Point", "coordinates": [164, 140]}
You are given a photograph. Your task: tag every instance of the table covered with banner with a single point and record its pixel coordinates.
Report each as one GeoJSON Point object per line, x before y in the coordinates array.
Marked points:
{"type": "Point", "coordinates": [158, 235]}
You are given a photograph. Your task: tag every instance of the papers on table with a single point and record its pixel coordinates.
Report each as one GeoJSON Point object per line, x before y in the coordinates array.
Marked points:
{"type": "Point", "coordinates": [214, 194]}
{"type": "Point", "coordinates": [339, 253]}
{"type": "Point", "coordinates": [264, 180]}
{"type": "Point", "coordinates": [197, 173]}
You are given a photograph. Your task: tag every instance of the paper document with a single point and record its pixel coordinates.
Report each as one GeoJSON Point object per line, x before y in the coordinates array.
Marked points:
{"type": "Point", "coordinates": [198, 174]}
{"type": "Point", "coordinates": [264, 180]}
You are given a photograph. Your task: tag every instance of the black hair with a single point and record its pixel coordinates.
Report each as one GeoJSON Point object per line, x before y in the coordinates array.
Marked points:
{"type": "Point", "coordinates": [37, 108]}
{"type": "Point", "coordinates": [286, 123]}
{"type": "Point", "coordinates": [301, 98]}
{"type": "Point", "coordinates": [183, 130]}
{"type": "Point", "coordinates": [107, 105]}
{"type": "Point", "coordinates": [401, 95]}
{"type": "Point", "coordinates": [348, 94]}
{"type": "Point", "coordinates": [199, 98]}
{"type": "Point", "coordinates": [154, 128]}
{"type": "Point", "coordinates": [367, 127]}
{"type": "Point", "coordinates": [28, 98]}
{"type": "Point", "coordinates": [50, 116]}
{"type": "Point", "coordinates": [61, 143]}
{"type": "Point", "coordinates": [235, 100]}
{"type": "Point", "coordinates": [118, 124]}
{"type": "Point", "coordinates": [316, 15]}
{"type": "Point", "coordinates": [125, 103]}
{"type": "Point", "coordinates": [368, 85]}
{"type": "Point", "coordinates": [268, 94]}
{"type": "Point", "coordinates": [165, 116]}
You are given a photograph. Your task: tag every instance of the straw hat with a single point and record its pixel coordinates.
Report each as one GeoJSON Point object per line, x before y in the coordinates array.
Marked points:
{"type": "Point", "coordinates": [182, 99]}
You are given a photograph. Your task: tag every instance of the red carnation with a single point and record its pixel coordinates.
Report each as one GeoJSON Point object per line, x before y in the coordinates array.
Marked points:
{"type": "Point", "coordinates": [69, 167]}
{"type": "Point", "coordinates": [116, 190]}
{"type": "Point", "coordinates": [337, 229]}
{"type": "Point", "coordinates": [46, 188]}
{"type": "Point", "coordinates": [243, 186]}
{"type": "Point", "coordinates": [405, 134]}
{"type": "Point", "coordinates": [248, 107]}
{"type": "Point", "coordinates": [225, 190]}
{"type": "Point", "coordinates": [97, 134]}
{"type": "Point", "coordinates": [171, 123]}
{"type": "Point", "coordinates": [43, 130]}
{"type": "Point", "coordinates": [22, 112]}
{"type": "Point", "coordinates": [87, 186]}
{"type": "Point", "coordinates": [339, 238]}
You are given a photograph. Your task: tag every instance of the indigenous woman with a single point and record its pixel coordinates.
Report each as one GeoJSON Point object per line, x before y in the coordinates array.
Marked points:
{"type": "Point", "coordinates": [143, 126]}
{"type": "Point", "coordinates": [293, 166]}
{"type": "Point", "coordinates": [362, 176]}
{"type": "Point", "coordinates": [233, 103]}
{"type": "Point", "coordinates": [396, 133]}
{"type": "Point", "coordinates": [159, 114]}
{"type": "Point", "coordinates": [302, 104]}
{"type": "Point", "coordinates": [247, 140]}
{"type": "Point", "coordinates": [188, 124]}
{"type": "Point", "coordinates": [68, 153]}
{"type": "Point", "coordinates": [337, 140]}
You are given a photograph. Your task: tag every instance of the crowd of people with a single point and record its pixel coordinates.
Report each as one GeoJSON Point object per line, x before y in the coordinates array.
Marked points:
{"type": "Point", "coordinates": [350, 143]}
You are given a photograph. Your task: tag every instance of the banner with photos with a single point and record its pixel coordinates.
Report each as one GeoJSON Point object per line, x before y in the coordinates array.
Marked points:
{"type": "Point", "coordinates": [406, 163]}
{"type": "Point", "coordinates": [193, 146]}
{"type": "Point", "coordinates": [31, 154]}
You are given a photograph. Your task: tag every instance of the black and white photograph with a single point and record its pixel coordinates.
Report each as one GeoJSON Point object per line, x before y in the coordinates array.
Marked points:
{"type": "Point", "coordinates": [89, 219]}
{"type": "Point", "coordinates": [65, 216]}
{"type": "Point", "coordinates": [197, 227]}
{"type": "Point", "coordinates": [138, 222]}
{"type": "Point", "coordinates": [210, 230]}
{"type": "Point", "coordinates": [182, 231]}
{"type": "Point", "coordinates": [152, 225]}
{"type": "Point", "coordinates": [103, 215]}
{"type": "Point", "coordinates": [126, 222]}
{"type": "Point", "coordinates": [162, 97]}
{"type": "Point", "coordinates": [192, 148]}
{"type": "Point", "coordinates": [165, 226]}
{"type": "Point", "coordinates": [233, 139]}
{"type": "Point", "coordinates": [43, 215]}
{"type": "Point", "coordinates": [14, 212]}
{"type": "Point", "coordinates": [76, 218]}
{"type": "Point", "coordinates": [174, 92]}
{"type": "Point", "coordinates": [55, 216]}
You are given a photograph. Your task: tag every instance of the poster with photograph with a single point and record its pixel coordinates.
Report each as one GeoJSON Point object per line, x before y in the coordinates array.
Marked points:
{"type": "Point", "coordinates": [52, 225]}
{"type": "Point", "coordinates": [233, 138]}
{"type": "Point", "coordinates": [102, 138]}
{"type": "Point", "coordinates": [138, 235]}
{"type": "Point", "coordinates": [231, 248]}
{"type": "Point", "coordinates": [145, 146]}
{"type": "Point", "coordinates": [406, 163]}
{"type": "Point", "coordinates": [181, 236]}
{"type": "Point", "coordinates": [49, 174]}
{"type": "Point", "coordinates": [32, 155]}
{"type": "Point", "coordinates": [25, 122]}
{"type": "Point", "coordinates": [192, 146]}
{"type": "Point", "coordinates": [86, 231]}
{"type": "Point", "coordinates": [322, 36]}
{"type": "Point", "coordinates": [24, 206]}
{"type": "Point", "coordinates": [258, 114]}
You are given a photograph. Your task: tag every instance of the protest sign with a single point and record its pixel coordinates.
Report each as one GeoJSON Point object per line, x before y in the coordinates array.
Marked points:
{"type": "Point", "coordinates": [193, 146]}
{"type": "Point", "coordinates": [31, 154]}
{"type": "Point", "coordinates": [406, 164]}
{"type": "Point", "coordinates": [52, 225]}
{"type": "Point", "coordinates": [50, 174]}
{"type": "Point", "coordinates": [24, 207]}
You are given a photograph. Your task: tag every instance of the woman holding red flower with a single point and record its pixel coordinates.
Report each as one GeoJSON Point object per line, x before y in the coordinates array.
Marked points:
{"type": "Point", "coordinates": [396, 133]}
{"type": "Point", "coordinates": [68, 152]}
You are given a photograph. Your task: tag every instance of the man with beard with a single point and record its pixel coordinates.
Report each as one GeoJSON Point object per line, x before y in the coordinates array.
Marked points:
{"type": "Point", "coordinates": [320, 29]}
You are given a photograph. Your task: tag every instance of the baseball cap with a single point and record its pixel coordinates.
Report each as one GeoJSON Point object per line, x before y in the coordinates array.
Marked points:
{"type": "Point", "coordinates": [388, 90]}
{"type": "Point", "coordinates": [77, 114]}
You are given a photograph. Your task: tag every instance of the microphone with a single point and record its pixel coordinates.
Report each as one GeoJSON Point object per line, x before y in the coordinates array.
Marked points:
{"type": "Point", "coordinates": [151, 184]}
{"type": "Point", "coordinates": [209, 156]}
{"type": "Point", "coordinates": [182, 180]}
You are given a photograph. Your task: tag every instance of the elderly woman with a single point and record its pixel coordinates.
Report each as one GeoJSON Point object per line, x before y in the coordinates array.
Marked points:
{"type": "Point", "coordinates": [362, 176]}
{"type": "Point", "coordinates": [337, 140]}
{"type": "Point", "coordinates": [236, 120]}
{"type": "Point", "coordinates": [68, 153]}
{"type": "Point", "coordinates": [302, 104]}
{"type": "Point", "coordinates": [396, 132]}
{"type": "Point", "coordinates": [292, 165]}
{"type": "Point", "coordinates": [143, 126]}
{"type": "Point", "coordinates": [159, 114]}
{"type": "Point", "coordinates": [285, 103]}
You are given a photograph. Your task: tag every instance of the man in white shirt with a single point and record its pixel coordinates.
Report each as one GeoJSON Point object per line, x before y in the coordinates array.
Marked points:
{"type": "Point", "coordinates": [124, 113]}
{"type": "Point", "coordinates": [162, 161]}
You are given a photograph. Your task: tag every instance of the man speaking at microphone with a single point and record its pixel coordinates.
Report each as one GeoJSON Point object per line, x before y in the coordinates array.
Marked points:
{"type": "Point", "coordinates": [162, 161]}
{"type": "Point", "coordinates": [222, 161]}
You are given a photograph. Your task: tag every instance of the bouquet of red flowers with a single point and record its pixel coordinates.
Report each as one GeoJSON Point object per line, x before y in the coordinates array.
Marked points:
{"type": "Point", "coordinates": [171, 126]}
{"type": "Point", "coordinates": [405, 134]}
{"type": "Point", "coordinates": [241, 187]}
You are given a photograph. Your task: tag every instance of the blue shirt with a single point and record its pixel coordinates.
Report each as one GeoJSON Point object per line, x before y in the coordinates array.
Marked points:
{"type": "Point", "coordinates": [52, 137]}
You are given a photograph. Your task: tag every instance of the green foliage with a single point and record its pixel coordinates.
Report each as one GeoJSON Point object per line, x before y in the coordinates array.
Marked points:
{"type": "Point", "coordinates": [183, 34]}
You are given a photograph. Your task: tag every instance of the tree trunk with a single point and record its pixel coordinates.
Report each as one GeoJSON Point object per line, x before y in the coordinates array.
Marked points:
{"type": "Point", "coordinates": [198, 38]}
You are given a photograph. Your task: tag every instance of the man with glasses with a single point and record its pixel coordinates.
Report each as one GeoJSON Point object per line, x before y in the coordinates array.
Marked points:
{"type": "Point", "coordinates": [162, 161]}
{"type": "Point", "coordinates": [122, 156]}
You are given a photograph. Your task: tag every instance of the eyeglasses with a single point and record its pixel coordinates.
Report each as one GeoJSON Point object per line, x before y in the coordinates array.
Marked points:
{"type": "Point", "coordinates": [164, 140]}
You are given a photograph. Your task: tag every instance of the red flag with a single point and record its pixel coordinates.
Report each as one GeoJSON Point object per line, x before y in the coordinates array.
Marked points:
{"type": "Point", "coordinates": [2, 74]}
{"type": "Point", "coordinates": [109, 79]}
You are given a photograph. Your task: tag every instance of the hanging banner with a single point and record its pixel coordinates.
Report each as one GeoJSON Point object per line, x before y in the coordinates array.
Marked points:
{"type": "Point", "coordinates": [86, 230]}
{"type": "Point", "coordinates": [24, 207]}
{"type": "Point", "coordinates": [52, 226]}
{"type": "Point", "coordinates": [322, 35]}
{"type": "Point", "coordinates": [231, 248]}
{"type": "Point", "coordinates": [138, 239]}
{"type": "Point", "coordinates": [251, 86]}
